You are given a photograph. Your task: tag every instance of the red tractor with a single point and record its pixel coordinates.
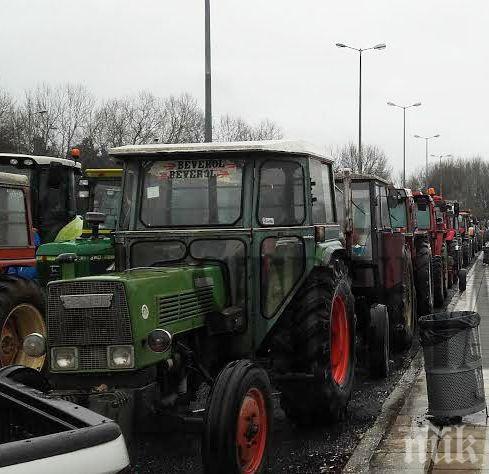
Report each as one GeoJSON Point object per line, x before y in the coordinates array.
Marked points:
{"type": "Point", "coordinates": [430, 210]}
{"type": "Point", "coordinates": [21, 300]}
{"type": "Point", "coordinates": [404, 219]}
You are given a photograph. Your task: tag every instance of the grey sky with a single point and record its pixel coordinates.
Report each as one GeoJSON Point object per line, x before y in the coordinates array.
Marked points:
{"type": "Point", "coordinates": [273, 58]}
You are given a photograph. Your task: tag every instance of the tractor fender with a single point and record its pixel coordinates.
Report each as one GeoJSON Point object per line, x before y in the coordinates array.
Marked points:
{"type": "Point", "coordinates": [325, 252]}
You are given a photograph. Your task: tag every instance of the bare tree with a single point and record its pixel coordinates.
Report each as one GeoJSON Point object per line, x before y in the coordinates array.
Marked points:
{"type": "Point", "coordinates": [236, 129]}
{"type": "Point", "coordinates": [374, 160]}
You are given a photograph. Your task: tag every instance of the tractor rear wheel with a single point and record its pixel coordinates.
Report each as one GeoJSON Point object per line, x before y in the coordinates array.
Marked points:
{"type": "Point", "coordinates": [444, 254]}
{"type": "Point", "coordinates": [238, 422]}
{"type": "Point", "coordinates": [438, 281]}
{"type": "Point", "coordinates": [424, 278]}
{"type": "Point", "coordinates": [21, 310]}
{"type": "Point", "coordinates": [462, 279]}
{"type": "Point", "coordinates": [466, 253]}
{"type": "Point", "coordinates": [403, 314]}
{"type": "Point", "coordinates": [378, 342]}
{"type": "Point", "coordinates": [323, 345]}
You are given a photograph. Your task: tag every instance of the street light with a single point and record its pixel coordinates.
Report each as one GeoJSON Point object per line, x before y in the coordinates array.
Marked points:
{"type": "Point", "coordinates": [404, 107]}
{"type": "Point", "coordinates": [360, 51]}
{"type": "Point", "coordinates": [208, 77]}
{"type": "Point", "coordinates": [441, 173]}
{"type": "Point", "coordinates": [426, 139]}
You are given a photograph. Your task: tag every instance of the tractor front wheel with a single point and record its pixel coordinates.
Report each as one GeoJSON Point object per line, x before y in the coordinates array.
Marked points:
{"type": "Point", "coordinates": [424, 278]}
{"type": "Point", "coordinates": [238, 421]}
{"type": "Point", "coordinates": [323, 339]}
{"type": "Point", "coordinates": [21, 309]}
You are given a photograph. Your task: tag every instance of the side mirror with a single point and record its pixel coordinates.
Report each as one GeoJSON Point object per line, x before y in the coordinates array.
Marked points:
{"type": "Point", "coordinates": [94, 219]}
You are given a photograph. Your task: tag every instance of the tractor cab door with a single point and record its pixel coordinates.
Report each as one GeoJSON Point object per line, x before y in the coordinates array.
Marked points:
{"type": "Point", "coordinates": [16, 239]}
{"type": "Point", "coordinates": [390, 244]}
{"type": "Point", "coordinates": [282, 242]}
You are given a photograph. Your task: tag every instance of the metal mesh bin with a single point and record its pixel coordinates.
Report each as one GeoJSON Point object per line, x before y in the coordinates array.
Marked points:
{"type": "Point", "coordinates": [453, 363]}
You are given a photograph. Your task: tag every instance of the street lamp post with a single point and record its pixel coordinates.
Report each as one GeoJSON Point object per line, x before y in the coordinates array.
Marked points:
{"type": "Point", "coordinates": [441, 171]}
{"type": "Point", "coordinates": [208, 81]}
{"type": "Point", "coordinates": [360, 51]}
{"type": "Point", "coordinates": [426, 139]}
{"type": "Point", "coordinates": [404, 107]}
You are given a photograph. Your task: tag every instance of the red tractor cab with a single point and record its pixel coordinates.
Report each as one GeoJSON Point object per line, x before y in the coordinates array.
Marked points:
{"type": "Point", "coordinates": [403, 212]}
{"type": "Point", "coordinates": [431, 219]}
{"type": "Point", "coordinates": [381, 268]}
{"type": "Point", "coordinates": [21, 301]}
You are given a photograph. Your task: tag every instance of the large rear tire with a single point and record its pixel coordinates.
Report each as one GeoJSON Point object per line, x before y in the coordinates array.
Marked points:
{"type": "Point", "coordinates": [466, 253]}
{"type": "Point", "coordinates": [438, 281]}
{"type": "Point", "coordinates": [424, 278]}
{"type": "Point", "coordinates": [323, 345]}
{"type": "Point", "coordinates": [378, 342]}
{"type": "Point", "coordinates": [462, 279]}
{"type": "Point", "coordinates": [403, 314]}
{"type": "Point", "coordinates": [21, 314]}
{"type": "Point", "coordinates": [238, 421]}
{"type": "Point", "coordinates": [444, 254]}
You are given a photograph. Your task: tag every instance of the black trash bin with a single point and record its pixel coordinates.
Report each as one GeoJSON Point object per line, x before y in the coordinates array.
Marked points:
{"type": "Point", "coordinates": [453, 363]}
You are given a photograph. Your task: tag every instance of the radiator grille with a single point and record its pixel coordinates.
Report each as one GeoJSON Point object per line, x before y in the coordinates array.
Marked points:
{"type": "Point", "coordinates": [88, 326]}
{"type": "Point", "coordinates": [186, 304]}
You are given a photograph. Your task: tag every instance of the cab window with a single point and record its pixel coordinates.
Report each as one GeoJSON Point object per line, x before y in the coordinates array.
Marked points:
{"type": "Point", "coordinates": [281, 194]}
{"type": "Point", "coordinates": [13, 226]}
{"type": "Point", "coordinates": [322, 201]}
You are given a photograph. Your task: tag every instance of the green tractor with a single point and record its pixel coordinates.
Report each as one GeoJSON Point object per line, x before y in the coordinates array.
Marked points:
{"type": "Point", "coordinates": [230, 272]}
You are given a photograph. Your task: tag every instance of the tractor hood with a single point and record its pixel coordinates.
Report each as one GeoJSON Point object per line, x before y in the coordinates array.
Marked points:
{"type": "Point", "coordinates": [93, 257]}
{"type": "Point", "coordinates": [177, 299]}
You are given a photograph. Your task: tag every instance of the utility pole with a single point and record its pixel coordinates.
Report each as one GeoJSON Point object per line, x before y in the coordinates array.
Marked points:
{"type": "Point", "coordinates": [208, 78]}
{"type": "Point", "coordinates": [360, 51]}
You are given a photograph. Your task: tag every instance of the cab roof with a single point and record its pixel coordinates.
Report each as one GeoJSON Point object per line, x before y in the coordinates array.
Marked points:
{"type": "Point", "coordinates": [40, 160]}
{"type": "Point", "coordinates": [270, 146]}
{"type": "Point", "coordinates": [14, 179]}
{"type": "Point", "coordinates": [362, 177]}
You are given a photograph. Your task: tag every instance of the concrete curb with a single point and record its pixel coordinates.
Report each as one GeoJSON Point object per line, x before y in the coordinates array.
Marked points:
{"type": "Point", "coordinates": [360, 459]}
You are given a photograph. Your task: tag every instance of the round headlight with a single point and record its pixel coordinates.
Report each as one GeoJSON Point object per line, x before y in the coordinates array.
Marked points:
{"type": "Point", "coordinates": [159, 340]}
{"type": "Point", "coordinates": [34, 345]}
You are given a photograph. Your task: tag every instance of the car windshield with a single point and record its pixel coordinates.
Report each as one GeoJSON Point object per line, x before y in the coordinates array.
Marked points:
{"type": "Point", "coordinates": [106, 199]}
{"type": "Point", "coordinates": [362, 223]}
{"type": "Point", "coordinates": [189, 193]}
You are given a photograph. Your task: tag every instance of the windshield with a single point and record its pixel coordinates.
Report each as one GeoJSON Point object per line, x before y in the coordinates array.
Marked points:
{"type": "Point", "coordinates": [423, 216]}
{"type": "Point", "coordinates": [106, 199]}
{"type": "Point", "coordinates": [398, 215]}
{"type": "Point", "coordinates": [362, 238]}
{"type": "Point", "coordinates": [16, 170]}
{"type": "Point", "coordinates": [192, 193]}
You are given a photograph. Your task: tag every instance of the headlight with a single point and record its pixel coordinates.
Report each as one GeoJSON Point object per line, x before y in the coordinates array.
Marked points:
{"type": "Point", "coordinates": [120, 357]}
{"type": "Point", "coordinates": [64, 358]}
{"type": "Point", "coordinates": [34, 345]}
{"type": "Point", "coordinates": [159, 340]}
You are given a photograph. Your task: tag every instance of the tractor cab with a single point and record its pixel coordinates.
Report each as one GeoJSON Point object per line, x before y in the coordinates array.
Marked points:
{"type": "Point", "coordinates": [402, 210]}
{"type": "Point", "coordinates": [100, 191]}
{"type": "Point", "coordinates": [52, 193]}
{"type": "Point", "coordinates": [380, 259]}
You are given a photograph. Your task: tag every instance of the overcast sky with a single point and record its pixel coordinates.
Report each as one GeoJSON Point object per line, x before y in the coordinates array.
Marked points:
{"type": "Point", "coordinates": [274, 59]}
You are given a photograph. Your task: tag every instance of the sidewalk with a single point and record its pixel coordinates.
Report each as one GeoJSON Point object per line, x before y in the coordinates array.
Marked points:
{"type": "Point", "coordinates": [413, 444]}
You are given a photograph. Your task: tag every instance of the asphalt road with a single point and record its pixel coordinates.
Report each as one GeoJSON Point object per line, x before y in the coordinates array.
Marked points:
{"type": "Point", "coordinates": [293, 450]}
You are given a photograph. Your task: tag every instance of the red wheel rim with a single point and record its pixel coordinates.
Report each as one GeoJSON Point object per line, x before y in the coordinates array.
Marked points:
{"type": "Point", "coordinates": [340, 341]}
{"type": "Point", "coordinates": [251, 435]}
